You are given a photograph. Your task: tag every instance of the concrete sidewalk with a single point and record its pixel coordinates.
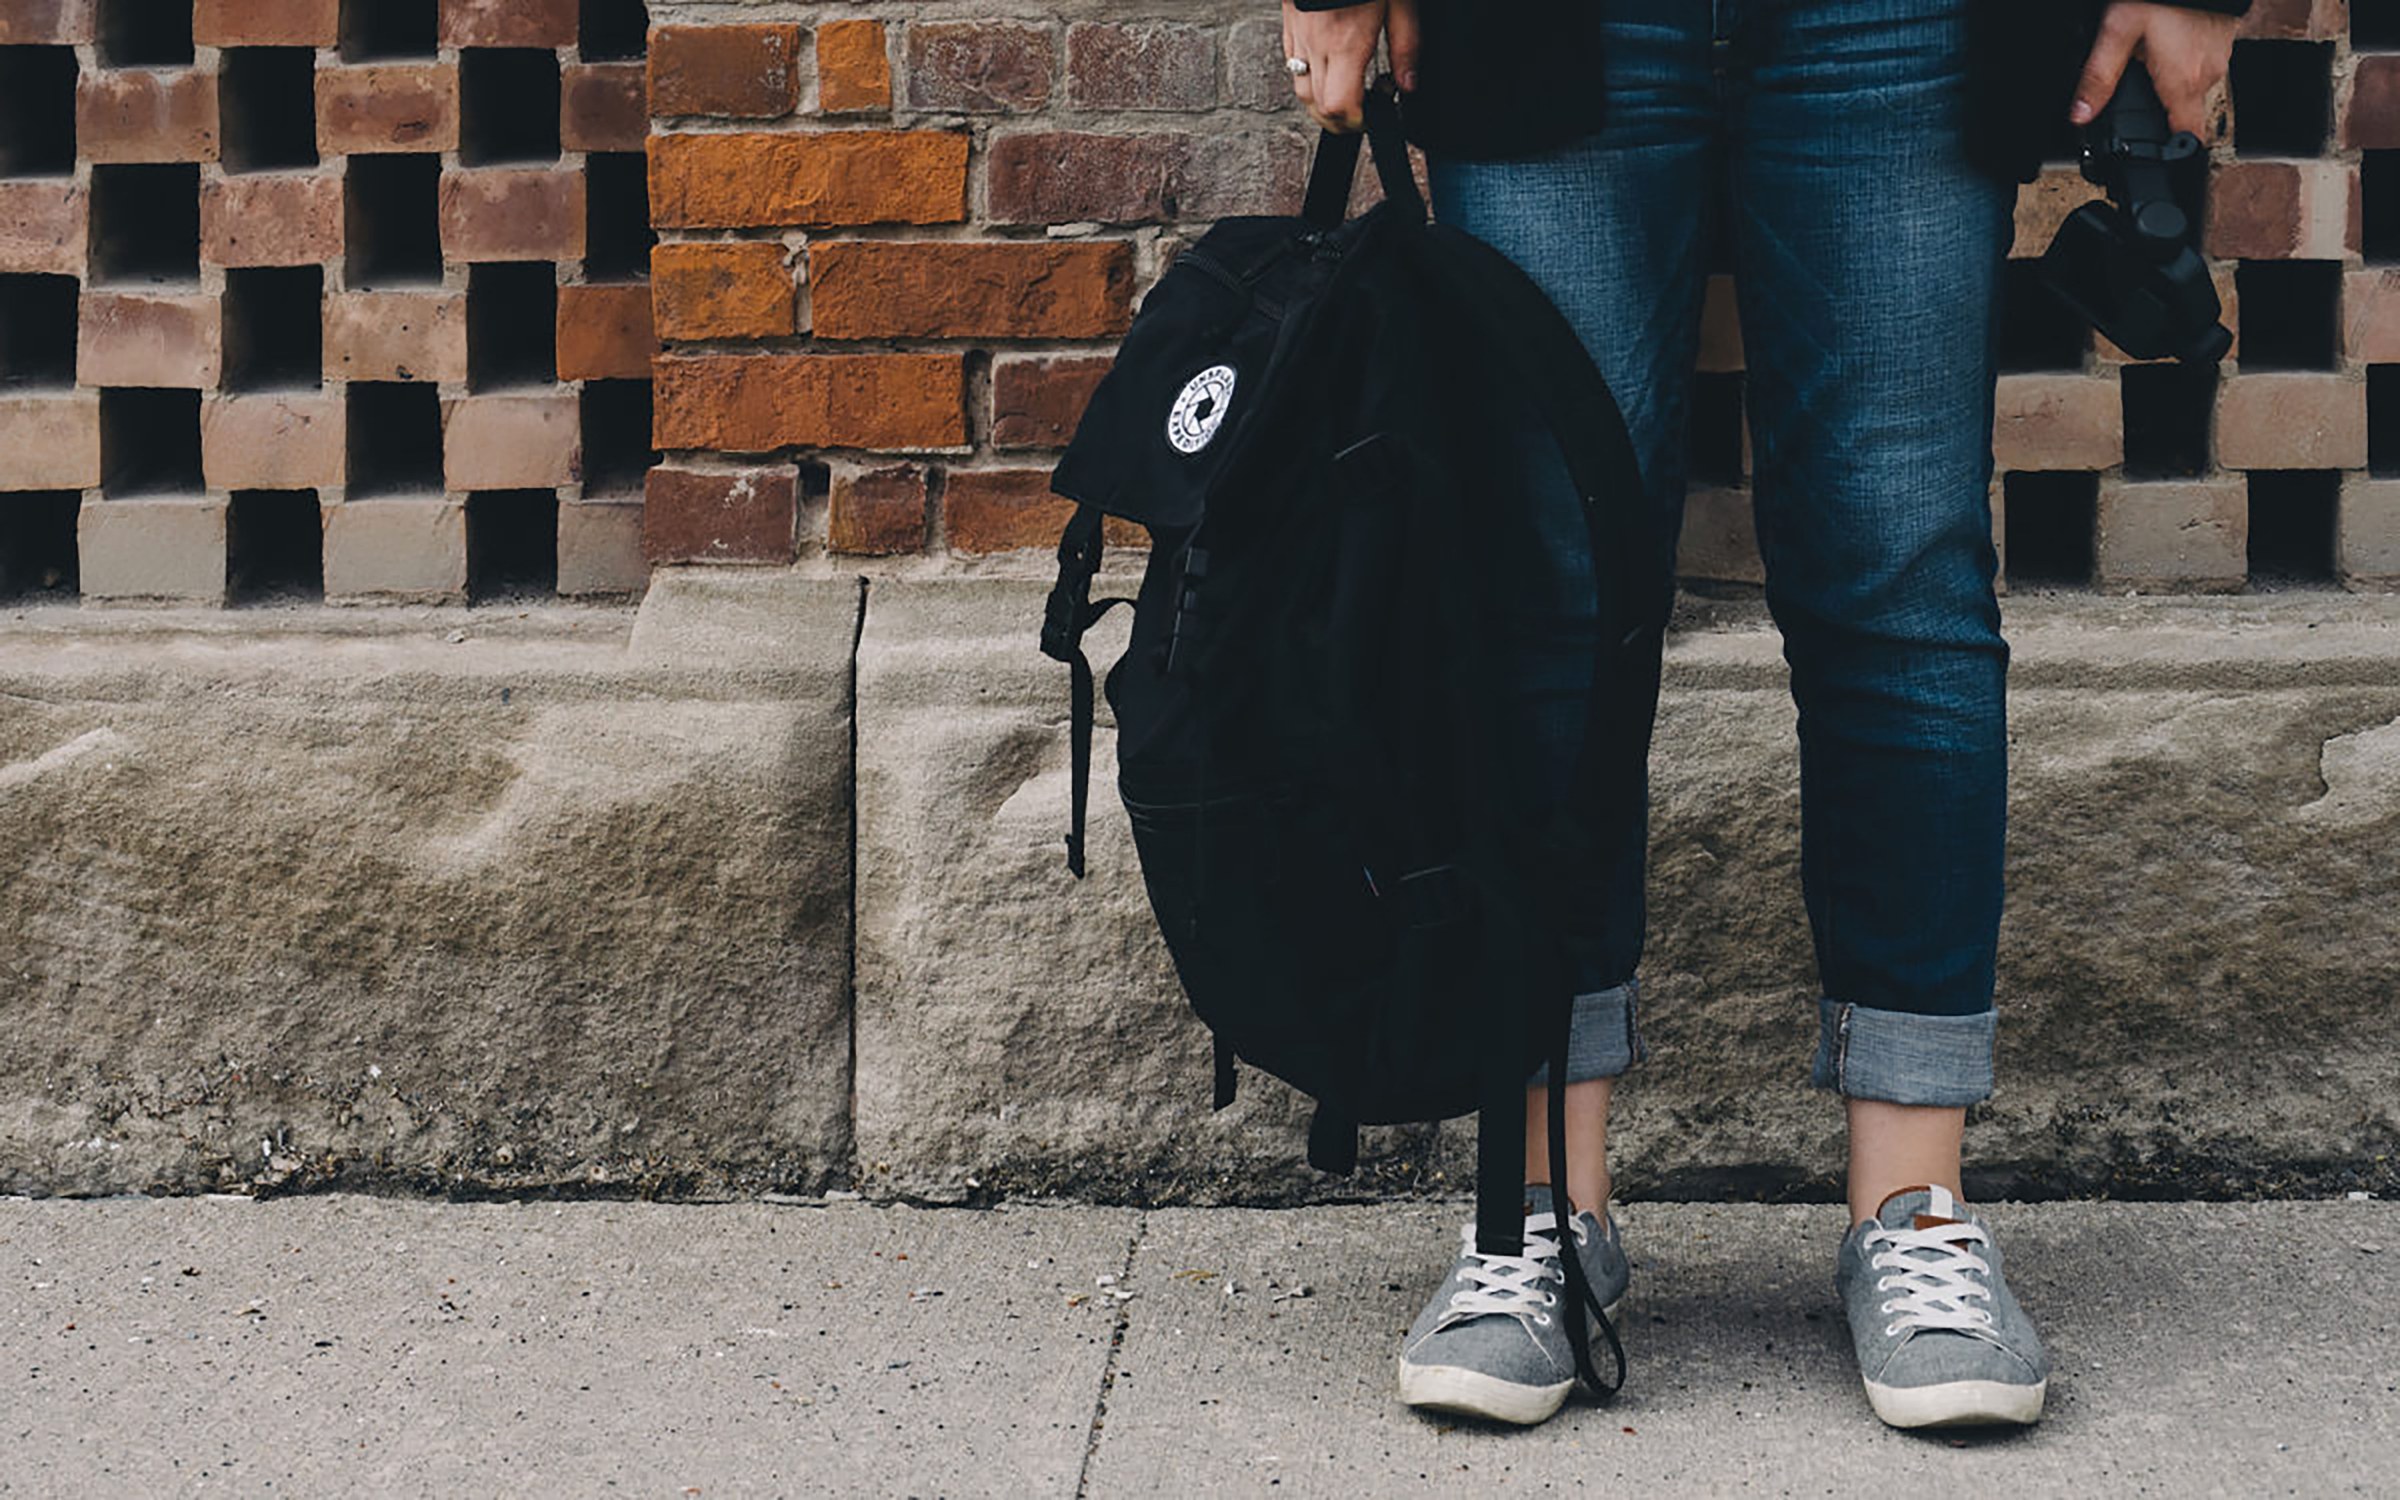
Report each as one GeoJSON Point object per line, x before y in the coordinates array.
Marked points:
{"type": "Point", "coordinates": [345, 1345]}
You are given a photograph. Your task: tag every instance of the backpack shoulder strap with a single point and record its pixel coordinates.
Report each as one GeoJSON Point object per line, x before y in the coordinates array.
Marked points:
{"type": "Point", "coordinates": [1070, 612]}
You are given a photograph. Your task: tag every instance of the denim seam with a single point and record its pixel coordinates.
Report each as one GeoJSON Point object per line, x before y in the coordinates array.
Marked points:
{"type": "Point", "coordinates": [1841, 1049]}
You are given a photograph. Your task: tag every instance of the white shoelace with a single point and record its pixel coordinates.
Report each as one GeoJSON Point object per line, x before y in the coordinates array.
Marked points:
{"type": "Point", "coordinates": [1937, 1276]}
{"type": "Point", "coordinates": [1515, 1285]}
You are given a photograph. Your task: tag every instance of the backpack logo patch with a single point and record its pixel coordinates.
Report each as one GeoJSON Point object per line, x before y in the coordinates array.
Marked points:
{"type": "Point", "coordinates": [1200, 409]}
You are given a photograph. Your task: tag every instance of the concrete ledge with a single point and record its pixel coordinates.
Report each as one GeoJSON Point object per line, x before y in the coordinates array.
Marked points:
{"type": "Point", "coordinates": [296, 899]}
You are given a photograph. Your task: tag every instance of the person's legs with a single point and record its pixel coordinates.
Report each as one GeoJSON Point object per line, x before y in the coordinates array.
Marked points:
{"type": "Point", "coordinates": [1615, 230]}
{"type": "Point", "coordinates": [1867, 256]}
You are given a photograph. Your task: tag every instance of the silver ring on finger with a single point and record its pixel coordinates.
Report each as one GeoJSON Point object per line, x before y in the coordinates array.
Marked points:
{"type": "Point", "coordinates": [1296, 66]}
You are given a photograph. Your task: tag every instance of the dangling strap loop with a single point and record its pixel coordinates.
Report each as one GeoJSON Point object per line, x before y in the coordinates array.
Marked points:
{"type": "Point", "coordinates": [1068, 615]}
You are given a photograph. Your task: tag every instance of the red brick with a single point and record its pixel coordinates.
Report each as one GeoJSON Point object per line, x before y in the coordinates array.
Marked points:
{"type": "Point", "coordinates": [388, 107]}
{"type": "Point", "coordinates": [50, 442]}
{"type": "Point", "coordinates": [271, 219]}
{"type": "Point", "coordinates": [979, 67]}
{"type": "Point", "coordinates": [2260, 210]}
{"type": "Point", "coordinates": [516, 441]}
{"type": "Point", "coordinates": [2292, 421]}
{"type": "Point", "coordinates": [602, 107]}
{"type": "Point", "coordinates": [1038, 399]}
{"type": "Point", "coordinates": [273, 441]}
{"type": "Point", "coordinates": [42, 226]}
{"type": "Point", "coordinates": [948, 289]}
{"type": "Point", "coordinates": [419, 336]}
{"type": "Point", "coordinates": [266, 23]}
{"type": "Point", "coordinates": [44, 23]}
{"type": "Point", "coordinates": [1055, 177]}
{"type": "Point", "coordinates": [761, 402]}
{"type": "Point", "coordinates": [501, 213]}
{"type": "Point", "coordinates": [837, 177]}
{"type": "Point", "coordinates": [1001, 510]}
{"type": "Point", "coordinates": [744, 515]}
{"type": "Point", "coordinates": [146, 117]}
{"type": "Point", "coordinates": [2372, 121]}
{"type": "Point", "coordinates": [2057, 422]}
{"type": "Point", "coordinates": [1141, 66]}
{"type": "Point", "coordinates": [2371, 315]}
{"type": "Point", "coordinates": [149, 339]}
{"type": "Point", "coordinates": [741, 72]}
{"type": "Point", "coordinates": [604, 333]}
{"type": "Point", "coordinates": [737, 290]}
{"type": "Point", "coordinates": [854, 67]}
{"type": "Point", "coordinates": [413, 549]}
{"type": "Point", "coordinates": [1254, 75]}
{"type": "Point", "coordinates": [877, 512]}
{"type": "Point", "coordinates": [509, 23]}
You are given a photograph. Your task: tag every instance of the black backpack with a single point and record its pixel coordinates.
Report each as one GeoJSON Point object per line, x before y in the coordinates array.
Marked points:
{"type": "Point", "coordinates": [1380, 476]}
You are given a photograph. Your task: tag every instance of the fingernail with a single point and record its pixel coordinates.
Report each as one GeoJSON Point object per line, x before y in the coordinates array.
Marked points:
{"type": "Point", "coordinates": [2082, 113]}
{"type": "Point", "coordinates": [1408, 81]}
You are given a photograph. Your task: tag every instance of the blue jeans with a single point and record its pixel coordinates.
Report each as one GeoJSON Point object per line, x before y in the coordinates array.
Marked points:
{"type": "Point", "coordinates": [1866, 254]}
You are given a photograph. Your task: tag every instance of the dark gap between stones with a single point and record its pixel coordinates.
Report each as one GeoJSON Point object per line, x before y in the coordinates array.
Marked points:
{"type": "Point", "coordinates": [508, 105]}
{"type": "Point", "coordinates": [145, 34]}
{"type": "Point", "coordinates": [37, 111]}
{"type": "Point", "coordinates": [2291, 525]}
{"type": "Point", "coordinates": [267, 108]}
{"type": "Point", "coordinates": [37, 332]}
{"type": "Point", "coordinates": [2290, 311]}
{"type": "Point", "coordinates": [274, 328]}
{"type": "Point", "coordinates": [2168, 412]}
{"type": "Point", "coordinates": [373, 29]}
{"type": "Point", "coordinates": [395, 439]}
{"type": "Point", "coordinates": [2049, 520]}
{"type": "Point", "coordinates": [617, 233]}
{"type": "Point", "coordinates": [512, 544]}
{"type": "Point", "coordinates": [145, 223]}
{"type": "Point", "coordinates": [392, 219]}
{"type": "Point", "coordinates": [276, 546]}
{"type": "Point", "coordinates": [512, 325]}
{"type": "Point", "coordinates": [149, 443]}
{"type": "Point", "coordinates": [617, 456]}
{"type": "Point", "coordinates": [2282, 97]}
{"type": "Point", "coordinates": [38, 557]}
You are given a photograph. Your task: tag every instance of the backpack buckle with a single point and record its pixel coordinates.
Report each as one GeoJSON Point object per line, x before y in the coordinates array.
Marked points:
{"type": "Point", "coordinates": [1062, 621]}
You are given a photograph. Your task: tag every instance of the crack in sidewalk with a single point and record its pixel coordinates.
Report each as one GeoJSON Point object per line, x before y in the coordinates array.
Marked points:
{"type": "Point", "coordinates": [1108, 1370]}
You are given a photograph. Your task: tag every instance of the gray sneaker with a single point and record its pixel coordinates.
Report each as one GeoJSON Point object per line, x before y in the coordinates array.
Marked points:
{"type": "Point", "coordinates": [1940, 1341]}
{"type": "Point", "coordinates": [1493, 1341]}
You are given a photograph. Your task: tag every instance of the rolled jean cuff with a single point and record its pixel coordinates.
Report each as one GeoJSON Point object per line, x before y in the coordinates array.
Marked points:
{"type": "Point", "coordinates": [1606, 1040]}
{"type": "Point", "coordinates": [1902, 1057]}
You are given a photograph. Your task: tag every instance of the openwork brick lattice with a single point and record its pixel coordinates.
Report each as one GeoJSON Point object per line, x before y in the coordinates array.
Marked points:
{"type": "Point", "coordinates": [322, 296]}
{"type": "Point", "coordinates": [897, 252]}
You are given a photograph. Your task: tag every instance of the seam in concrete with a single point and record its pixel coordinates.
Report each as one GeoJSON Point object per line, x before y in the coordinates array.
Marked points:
{"type": "Point", "coordinates": [858, 633]}
{"type": "Point", "coordinates": [1108, 1370]}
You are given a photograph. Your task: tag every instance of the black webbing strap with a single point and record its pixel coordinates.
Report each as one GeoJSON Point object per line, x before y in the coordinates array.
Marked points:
{"type": "Point", "coordinates": [1068, 615]}
{"type": "Point", "coordinates": [1226, 1081]}
{"type": "Point", "coordinates": [1333, 1141]}
{"type": "Point", "coordinates": [1336, 163]}
{"type": "Point", "coordinates": [1581, 1299]}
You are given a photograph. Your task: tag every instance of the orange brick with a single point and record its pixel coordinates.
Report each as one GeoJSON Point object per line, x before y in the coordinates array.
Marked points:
{"type": "Point", "coordinates": [945, 289]}
{"type": "Point", "coordinates": [509, 23]}
{"type": "Point", "coordinates": [729, 291]}
{"type": "Point", "coordinates": [152, 117]}
{"type": "Point", "coordinates": [761, 402]}
{"type": "Point", "coordinates": [265, 23]}
{"type": "Point", "coordinates": [878, 512]}
{"type": "Point", "coordinates": [741, 72]}
{"type": "Point", "coordinates": [854, 67]}
{"type": "Point", "coordinates": [396, 107]}
{"type": "Point", "coordinates": [734, 181]}
{"type": "Point", "coordinates": [604, 333]}
{"type": "Point", "coordinates": [1037, 401]}
{"type": "Point", "coordinates": [1001, 510]}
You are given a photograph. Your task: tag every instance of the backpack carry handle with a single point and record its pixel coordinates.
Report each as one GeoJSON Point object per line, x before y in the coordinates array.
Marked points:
{"type": "Point", "coordinates": [1336, 163]}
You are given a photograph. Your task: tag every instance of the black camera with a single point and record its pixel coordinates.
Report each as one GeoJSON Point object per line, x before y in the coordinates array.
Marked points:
{"type": "Point", "coordinates": [2129, 263]}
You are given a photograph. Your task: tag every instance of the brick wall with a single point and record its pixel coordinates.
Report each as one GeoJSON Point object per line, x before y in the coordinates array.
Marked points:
{"type": "Point", "coordinates": [324, 295]}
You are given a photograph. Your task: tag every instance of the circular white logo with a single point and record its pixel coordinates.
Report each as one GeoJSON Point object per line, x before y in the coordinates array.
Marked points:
{"type": "Point", "coordinates": [1200, 409]}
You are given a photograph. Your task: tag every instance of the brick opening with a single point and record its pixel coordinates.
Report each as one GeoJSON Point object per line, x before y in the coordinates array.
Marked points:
{"type": "Point", "coordinates": [2168, 411]}
{"type": "Point", "coordinates": [2037, 331]}
{"type": "Point", "coordinates": [2379, 205]}
{"type": "Point", "coordinates": [37, 545]}
{"type": "Point", "coordinates": [615, 30]}
{"type": "Point", "coordinates": [145, 223]}
{"type": "Point", "coordinates": [2290, 312]}
{"type": "Point", "coordinates": [372, 29]}
{"type": "Point", "coordinates": [617, 233]}
{"type": "Point", "coordinates": [508, 105]}
{"type": "Point", "coordinates": [267, 108]}
{"type": "Point", "coordinates": [2291, 525]}
{"type": "Point", "coordinates": [150, 443]}
{"type": "Point", "coordinates": [1713, 439]}
{"type": "Point", "coordinates": [617, 455]}
{"type": "Point", "coordinates": [512, 325]}
{"type": "Point", "coordinates": [37, 331]}
{"type": "Point", "coordinates": [145, 34]}
{"type": "Point", "coordinates": [2374, 25]}
{"type": "Point", "coordinates": [2050, 522]}
{"type": "Point", "coordinates": [274, 328]}
{"type": "Point", "coordinates": [275, 541]}
{"type": "Point", "coordinates": [37, 111]}
{"type": "Point", "coordinates": [2282, 97]}
{"type": "Point", "coordinates": [512, 544]}
{"type": "Point", "coordinates": [2383, 420]}
{"type": "Point", "coordinates": [395, 439]}
{"type": "Point", "coordinates": [392, 221]}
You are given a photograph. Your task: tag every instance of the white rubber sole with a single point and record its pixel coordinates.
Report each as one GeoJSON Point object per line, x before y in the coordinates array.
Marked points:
{"type": "Point", "coordinates": [1471, 1393]}
{"type": "Point", "coordinates": [1958, 1403]}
